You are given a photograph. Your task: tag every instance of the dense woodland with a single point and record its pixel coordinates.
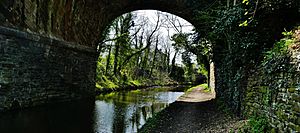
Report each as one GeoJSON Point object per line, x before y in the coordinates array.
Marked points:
{"type": "Point", "coordinates": [150, 50]}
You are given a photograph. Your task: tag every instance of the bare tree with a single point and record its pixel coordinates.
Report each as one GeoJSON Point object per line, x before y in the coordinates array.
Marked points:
{"type": "Point", "coordinates": [149, 39]}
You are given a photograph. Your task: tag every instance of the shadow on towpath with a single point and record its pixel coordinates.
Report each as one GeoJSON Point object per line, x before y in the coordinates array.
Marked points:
{"type": "Point", "coordinates": [194, 112]}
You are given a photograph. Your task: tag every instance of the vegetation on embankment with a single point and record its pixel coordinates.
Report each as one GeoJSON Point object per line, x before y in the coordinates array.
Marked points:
{"type": "Point", "coordinates": [243, 34]}
{"type": "Point", "coordinates": [272, 99]}
{"type": "Point", "coordinates": [240, 32]}
{"type": "Point", "coordinates": [138, 53]}
{"type": "Point", "coordinates": [107, 85]}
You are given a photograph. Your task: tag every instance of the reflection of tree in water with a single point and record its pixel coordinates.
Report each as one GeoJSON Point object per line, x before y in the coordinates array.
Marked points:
{"type": "Point", "coordinates": [144, 112]}
{"type": "Point", "coordinates": [135, 121]}
{"type": "Point", "coordinates": [133, 108]}
{"type": "Point", "coordinates": [119, 117]}
{"type": "Point", "coordinates": [141, 114]}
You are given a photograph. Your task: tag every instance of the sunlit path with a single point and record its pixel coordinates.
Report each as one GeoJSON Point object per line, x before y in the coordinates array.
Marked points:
{"type": "Point", "coordinates": [196, 95]}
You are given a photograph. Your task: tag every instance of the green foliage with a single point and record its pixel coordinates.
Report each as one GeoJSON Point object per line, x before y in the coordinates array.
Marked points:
{"type": "Point", "coordinates": [277, 59]}
{"type": "Point", "coordinates": [276, 63]}
{"type": "Point", "coordinates": [180, 40]}
{"type": "Point", "coordinates": [190, 46]}
{"type": "Point", "coordinates": [256, 124]}
{"type": "Point", "coordinates": [135, 83]}
{"type": "Point", "coordinates": [239, 39]}
{"type": "Point", "coordinates": [235, 50]}
{"type": "Point", "coordinates": [204, 86]}
{"type": "Point", "coordinates": [189, 67]}
{"type": "Point", "coordinates": [177, 73]}
{"type": "Point", "coordinates": [106, 84]}
{"type": "Point", "coordinates": [203, 70]}
{"type": "Point", "coordinates": [273, 74]}
{"type": "Point", "coordinates": [132, 56]}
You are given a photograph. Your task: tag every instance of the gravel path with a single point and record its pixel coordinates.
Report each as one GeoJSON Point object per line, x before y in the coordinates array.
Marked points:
{"type": "Point", "coordinates": [189, 116]}
{"type": "Point", "coordinates": [196, 95]}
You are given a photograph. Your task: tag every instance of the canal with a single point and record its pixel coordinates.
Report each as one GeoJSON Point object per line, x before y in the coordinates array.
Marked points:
{"type": "Point", "coordinates": [116, 112]}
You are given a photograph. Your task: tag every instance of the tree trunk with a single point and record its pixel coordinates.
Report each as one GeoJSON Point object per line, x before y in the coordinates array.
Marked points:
{"type": "Point", "coordinates": [153, 60]}
{"type": "Point", "coordinates": [116, 58]}
{"type": "Point", "coordinates": [168, 62]}
{"type": "Point", "coordinates": [108, 60]}
{"type": "Point", "coordinates": [173, 61]}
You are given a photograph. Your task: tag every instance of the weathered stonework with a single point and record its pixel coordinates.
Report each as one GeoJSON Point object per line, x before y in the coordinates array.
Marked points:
{"type": "Point", "coordinates": [282, 106]}
{"type": "Point", "coordinates": [212, 84]}
{"type": "Point", "coordinates": [83, 21]}
{"type": "Point", "coordinates": [35, 70]}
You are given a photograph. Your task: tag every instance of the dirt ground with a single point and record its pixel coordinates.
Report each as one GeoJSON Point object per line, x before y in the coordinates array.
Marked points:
{"type": "Point", "coordinates": [194, 112]}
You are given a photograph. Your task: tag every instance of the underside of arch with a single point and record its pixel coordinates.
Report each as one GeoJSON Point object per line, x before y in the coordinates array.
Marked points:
{"type": "Point", "coordinates": [83, 21]}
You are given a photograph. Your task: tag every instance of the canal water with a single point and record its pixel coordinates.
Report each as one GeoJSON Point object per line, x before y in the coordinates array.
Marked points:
{"type": "Point", "coordinates": [115, 112]}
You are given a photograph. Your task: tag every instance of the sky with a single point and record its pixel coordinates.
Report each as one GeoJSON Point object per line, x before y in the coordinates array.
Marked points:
{"type": "Point", "coordinates": [186, 28]}
{"type": "Point", "coordinates": [164, 32]}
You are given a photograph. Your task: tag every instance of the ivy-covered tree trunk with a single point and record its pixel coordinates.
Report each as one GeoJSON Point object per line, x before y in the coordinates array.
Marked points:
{"type": "Point", "coordinates": [116, 59]}
{"type": "Point", "coordinates": [154, 57]}
{"type": "Point", "coordinates": [108, 60]}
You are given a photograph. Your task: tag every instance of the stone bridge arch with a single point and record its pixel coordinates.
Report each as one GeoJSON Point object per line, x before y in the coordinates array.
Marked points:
{"type": "Point", "coordinates": [48, 47]}
{"type": "Point", "coordinates": [83, 21]}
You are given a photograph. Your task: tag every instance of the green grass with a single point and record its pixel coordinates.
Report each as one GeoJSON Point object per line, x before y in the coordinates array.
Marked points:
{"type": "Point", "coordinates": [205, 86]}
{"type": "Point", "coordinates": [135, 82]}
{"type": "Point", "coordinates": [106, 84]}
{"type": "Point", "coordinates": [136, 91]}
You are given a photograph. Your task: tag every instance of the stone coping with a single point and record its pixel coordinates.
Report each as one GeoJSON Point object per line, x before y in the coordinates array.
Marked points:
{"type": "Point", "coordinates": [45, 39]}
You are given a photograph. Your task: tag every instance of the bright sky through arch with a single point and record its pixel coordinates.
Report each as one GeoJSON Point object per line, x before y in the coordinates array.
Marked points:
{"type": "Point", "coordinates": [152, 17]}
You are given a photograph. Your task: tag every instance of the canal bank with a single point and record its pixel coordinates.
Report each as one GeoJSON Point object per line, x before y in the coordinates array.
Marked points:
{"type": "Point", "coordinates": [143, 86]}
{"type": "Point", "coordinates": [196, 111]}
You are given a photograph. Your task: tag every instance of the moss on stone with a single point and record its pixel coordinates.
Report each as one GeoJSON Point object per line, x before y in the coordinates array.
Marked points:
{"type": "Point", "coordinates": [292, 90]}
{"type": "Point", "coordinates": [263, 89]}
{"type": "Point", "coordinates": [296, 108]}
{"type": "Point", "coordinates": [295, 97]}
{"type": "Point", "coordinates": [291, 125]}
{"type": "Point", "coordinates": [250, 94]}
{"type": "Point", "coordinates": [280, 114]}
{"type": "Point", "coordinates": [273, 130]}
{"type": "Point", "coordinates": [297, 128]}
{"type": "Point", "coordinates": [293, 118]}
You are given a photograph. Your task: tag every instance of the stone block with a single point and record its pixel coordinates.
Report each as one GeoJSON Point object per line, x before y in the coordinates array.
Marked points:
{"type": "Point", "coordinates": [25, 73]}
{"type": "Point", "coordinates": [296, 107]}
{"type": "Point", "coordinates": [263, 89]}
{"type": "Point", "coordinates": [291, 90]}
{"type": "Point", "coordinates": [295, 97]}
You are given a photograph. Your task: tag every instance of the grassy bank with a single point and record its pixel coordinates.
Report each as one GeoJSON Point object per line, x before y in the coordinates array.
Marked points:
{"type": "Point", "coordinates": [106, 85]}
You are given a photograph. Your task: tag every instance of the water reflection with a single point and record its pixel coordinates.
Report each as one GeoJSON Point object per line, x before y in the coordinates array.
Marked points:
{"type": "Point", "coordinates": [114, 112]}
{"type": "Point", "coordinates": [75, 117]}
{"type": "Point", "coordinates": [128, 111]}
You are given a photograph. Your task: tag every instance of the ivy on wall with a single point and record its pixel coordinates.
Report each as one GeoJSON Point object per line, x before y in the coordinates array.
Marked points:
{"type": "Point", "coordinates": [271, 91]}
{"type": "Point", "coordinates": [240, 35]}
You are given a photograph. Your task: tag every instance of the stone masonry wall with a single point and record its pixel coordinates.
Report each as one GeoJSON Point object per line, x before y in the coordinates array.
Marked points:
{"type": "Point", "coordinates": [83, 21]}
{"type": "Point", "coordinates": [280, 106]}
{"type": "Point", "coordinates": [212, 84]}
{"type": "Point", "coordinates": [37, 70]}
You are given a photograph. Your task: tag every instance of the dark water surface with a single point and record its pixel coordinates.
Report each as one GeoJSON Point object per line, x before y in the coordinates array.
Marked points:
{"type": "Point", "coordinates": [114, 112]}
